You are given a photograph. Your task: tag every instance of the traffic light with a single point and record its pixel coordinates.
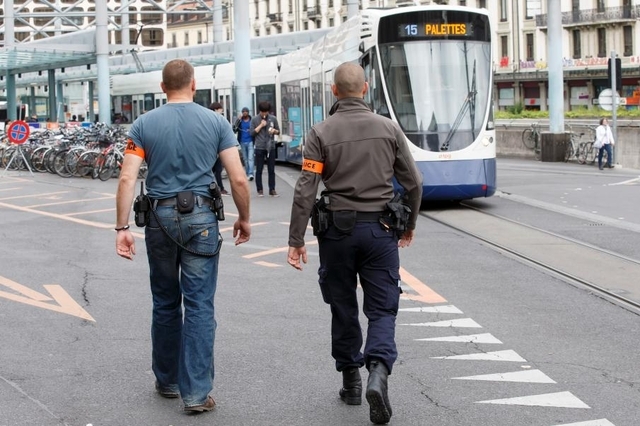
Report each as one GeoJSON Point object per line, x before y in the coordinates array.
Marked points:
{"type": "Point", "coordinates": [618, 73]}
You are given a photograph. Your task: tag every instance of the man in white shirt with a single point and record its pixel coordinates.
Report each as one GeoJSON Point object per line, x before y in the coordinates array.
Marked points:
{"type": "Point", "coordinates": [604, 141]}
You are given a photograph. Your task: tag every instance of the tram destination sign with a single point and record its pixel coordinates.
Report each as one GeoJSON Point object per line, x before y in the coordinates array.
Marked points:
{"type": "Point", "coordinates": [435, 30]}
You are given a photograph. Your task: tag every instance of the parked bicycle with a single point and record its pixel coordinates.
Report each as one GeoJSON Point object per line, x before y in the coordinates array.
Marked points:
{"type": "Point", "coordinates": [578, 146]}
{"type": "Point", "coordinates": [531, 139]}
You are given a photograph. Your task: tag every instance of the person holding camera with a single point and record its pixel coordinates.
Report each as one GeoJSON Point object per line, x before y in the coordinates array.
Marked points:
{"type": "Point", "coordinates": [356, 154]}
{"type": "Point", "coordinates": [180, 142]}
{"type": "Point", "coordinates": [264, 127]}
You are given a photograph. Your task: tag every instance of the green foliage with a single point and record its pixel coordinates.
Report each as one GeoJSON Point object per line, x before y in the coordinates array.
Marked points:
{"type": "Point", "coordinates": [516, 112]}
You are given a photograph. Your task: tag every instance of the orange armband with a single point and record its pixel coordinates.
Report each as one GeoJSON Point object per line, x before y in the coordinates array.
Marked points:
{"type": "Point", "coordinates": [312, 166]}
{"type": "Point", "coordinates": [134, 149]}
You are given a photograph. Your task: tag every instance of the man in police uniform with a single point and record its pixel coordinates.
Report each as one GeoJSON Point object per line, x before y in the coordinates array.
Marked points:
{"type": "Point", "coordinates": [356, 153]}
{"type": "Point", "coordinates": [180, 141]}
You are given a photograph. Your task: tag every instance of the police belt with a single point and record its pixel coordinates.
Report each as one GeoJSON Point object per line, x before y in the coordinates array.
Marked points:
{"type": "Point", "coordinates": [200, 201]}
{"type": "Point", "coordinates": [364, 216]}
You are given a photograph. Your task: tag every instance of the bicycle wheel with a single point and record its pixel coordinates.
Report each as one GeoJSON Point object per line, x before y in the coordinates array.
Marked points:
{"type": "Point", "coordinates": [85, 163]}
{"type": "Point", "coordinates": [582, 152]}
{"type": "Point", "coordinates": [108, 168]}
{"type": "Point", "coordinates": [60, 165]}
{"type": "Point", "coordinates": [37, 158]}
{"type": "Point", "coordinates": [570, 152]}
{"type": "Point", "coordinates": [591, 153]}
{"type": "Point", "coordinates": [529, 138]}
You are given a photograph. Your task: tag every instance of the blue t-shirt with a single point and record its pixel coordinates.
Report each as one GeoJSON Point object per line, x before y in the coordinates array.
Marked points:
{"type": "Point", "coordinates": [180, 143]}
{"type": "Point", "coordinates": [245, 131]}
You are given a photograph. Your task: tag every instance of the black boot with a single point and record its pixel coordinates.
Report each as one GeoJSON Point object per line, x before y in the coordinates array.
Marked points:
{"type": "Point", "coordinates": [351, 392]}
{"type": "Point", "coordinates": [379, 407]}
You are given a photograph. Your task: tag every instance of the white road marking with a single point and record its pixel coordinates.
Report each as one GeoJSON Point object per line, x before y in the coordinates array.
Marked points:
{"type": "Point", "coordinates": [508, 355]}
{"type": "Point", "coordinates": [471, 338]}
{"type": "Point", "coordinates": [529, 376]}
{"type": "Point", "coordinates": [559, 399]}
{"type": "Point", "coordinates": [444, 309]}
{"type": "Point", "coordinates": [461, 322]}
{"type": "Point", "coordinates": [599, 422]}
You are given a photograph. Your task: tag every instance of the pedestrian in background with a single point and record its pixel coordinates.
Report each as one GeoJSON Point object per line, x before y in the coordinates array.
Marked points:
{"type": "Point", "coordinates": [180, 141]}
{"type": "Point", "coordinates": [356, 154]}
{"type": "Point", "coordinates": [264, 127]}
{"type": "Point", "coordinates": [242, 127]}
{"type": "Point", "coordinates": [604, 141]}
{"type": "Point", "coordinates": [217, 167]}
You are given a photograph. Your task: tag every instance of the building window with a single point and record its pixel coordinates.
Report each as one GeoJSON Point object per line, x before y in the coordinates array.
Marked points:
{"type": "Point", "coordinates": [577, 45]}
{"type": "Point", "coordinates": [504, 46]}
{"type": "Point", "coordinates": [530, 50]}
{"type": "Point", "coordinates": [532, 8]}
{"type": "Point", "coordinates": [174, 40]}
{"type": "Point", "coordinates": [575, 5]}
{"type": "Point", "coordinates": [482, 4]}
{"type": "Point", "coordinates": [601, 6]}
{"type": "Point", "coordinates": [462, 2]}
{"type": "Point", "coordinates": [186, 38]}
{"type": "Point", "coordinates": [602, 43]}
{"type": "Point", "coordinates": [628, 40]}
{"type": "Point", "coordinates": [199, 37]}
{"type": "Point", "coordinates": [503, 10]}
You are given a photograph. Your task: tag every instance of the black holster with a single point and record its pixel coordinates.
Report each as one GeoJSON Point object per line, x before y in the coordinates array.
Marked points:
{"type": "Point", "coordinates": [396, 215]}
{"type": "Point", "coordinates": [142, 208]}
{"type": "Point", "coordinates": [320, 215]}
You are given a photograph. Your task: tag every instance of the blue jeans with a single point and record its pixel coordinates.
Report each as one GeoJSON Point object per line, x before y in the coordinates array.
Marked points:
{"type": "Point", "coordinates": [247, 154]}
{"type": "Point", "coordinates": [182, 356]}
{"type": "Point", "coordinates": [605, 147]}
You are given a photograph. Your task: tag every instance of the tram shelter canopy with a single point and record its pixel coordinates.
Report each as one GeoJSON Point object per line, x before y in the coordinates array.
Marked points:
{"type": "Point", "coordinates": [63, 51]}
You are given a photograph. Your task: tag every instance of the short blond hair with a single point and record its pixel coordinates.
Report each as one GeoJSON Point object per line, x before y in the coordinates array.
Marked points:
{"type": "Point", "coordinates": [177, 74]}
{"type": "Point", "coordinates": [349, 79]}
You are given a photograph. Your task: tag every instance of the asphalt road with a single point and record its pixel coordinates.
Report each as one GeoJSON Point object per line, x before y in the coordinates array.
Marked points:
{"type": "Point", "coordinates": [484, 339]}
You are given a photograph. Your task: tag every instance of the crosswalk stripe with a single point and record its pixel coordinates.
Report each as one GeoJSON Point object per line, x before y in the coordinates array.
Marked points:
{"type": "Point", "coordinates": [444, 309]}
{"type": "Point", "coordinates": [471, 338]}
{"type": "Point", "coordinates": [558, 399]}
{"type": "Point", "coordinates": [508, 355]}
{"type": "Point", "coordinates": [599, 422]}
{"type": "Point", "coordinates": [528, 376]}
{"type": "Point", "coordinates": [461, 322]}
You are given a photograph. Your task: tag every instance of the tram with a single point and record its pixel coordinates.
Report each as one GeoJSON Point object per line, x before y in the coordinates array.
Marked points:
{"type": "Point", "coordinates": [429, 69]}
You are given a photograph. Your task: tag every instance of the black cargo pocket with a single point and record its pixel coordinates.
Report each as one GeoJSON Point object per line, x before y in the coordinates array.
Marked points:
{"type": "Point", "coordinates": [324, 287]}
{"type": "Point", "coordinates": [393, 295]}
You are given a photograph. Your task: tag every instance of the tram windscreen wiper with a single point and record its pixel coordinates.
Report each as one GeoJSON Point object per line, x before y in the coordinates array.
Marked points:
{"type": "Point", "coordinates": [469, 103]}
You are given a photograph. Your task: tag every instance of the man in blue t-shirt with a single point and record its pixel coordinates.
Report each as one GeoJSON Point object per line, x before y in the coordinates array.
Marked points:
{"type": "Point", "coordinates": [243, 128]}
{"type": "Point", "coordinates": [180, 141]}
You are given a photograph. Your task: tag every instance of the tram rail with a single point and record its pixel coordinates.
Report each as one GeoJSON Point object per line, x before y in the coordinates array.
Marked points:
{"type": "Point", "coordinates": [576, 262]}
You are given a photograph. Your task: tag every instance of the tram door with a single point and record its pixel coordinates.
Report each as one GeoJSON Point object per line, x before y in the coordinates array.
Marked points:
{"type": "Point", "coordinates": [225, 97]}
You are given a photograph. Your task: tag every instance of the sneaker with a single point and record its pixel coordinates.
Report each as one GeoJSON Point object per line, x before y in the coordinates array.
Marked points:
{"type": "Point", "coordinates": [273, 193]}
{"type": "Point", "coordinates": [208, 405]}
{"type": "Point", "coordinates": [601, 168]}
{"type": "Point", "coordinates": [250, 177]}
{"type": "Point", "coordinates": [167, 392]}
{"type": "Point", "coordinates": [224, 192]}
{"type": "Point", "coordinates": [260, 194]}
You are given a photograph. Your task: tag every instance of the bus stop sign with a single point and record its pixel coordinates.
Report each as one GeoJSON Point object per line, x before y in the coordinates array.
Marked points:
{"type": "Point", "coordinates": [18, 132]}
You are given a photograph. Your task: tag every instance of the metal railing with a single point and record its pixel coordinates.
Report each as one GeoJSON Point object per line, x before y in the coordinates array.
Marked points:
{"type": "Point", "coordinates": [590, 16]}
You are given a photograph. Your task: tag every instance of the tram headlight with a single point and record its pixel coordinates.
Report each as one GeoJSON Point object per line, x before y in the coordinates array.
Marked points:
{"type": "Point", "coordinates": [487, 141]}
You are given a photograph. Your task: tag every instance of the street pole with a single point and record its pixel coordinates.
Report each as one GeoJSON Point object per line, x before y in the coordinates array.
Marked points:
{"type": "Point", "coordinates": [614, 110]}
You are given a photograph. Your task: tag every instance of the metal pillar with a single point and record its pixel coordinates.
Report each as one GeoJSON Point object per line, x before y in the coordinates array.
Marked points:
{"type": "Point", "coordinates": [352, 8]}
{"type": "Point", "coordinates": [614, 109]}
{"type": "Point", "coordinates": [242, 55]}
{"type": "Point", "coordinates": [92, 112]}
{"type": "Point", "coordinates": [217, 22]}
{"type": "Point", "coordinates": [9, 42]}
{"type": "Point", "coordinates": [61, 118]}
{"type": "Point", "coordinates": [51, 87]}
{"type": "Point", "coordinates": [32, 100]}
{"type": "Point", "coordinates": [556, 89]}
{"type": "Point", "coordinates": [102, 59]}
{"type": "Point", "coordinates": [124, 32]}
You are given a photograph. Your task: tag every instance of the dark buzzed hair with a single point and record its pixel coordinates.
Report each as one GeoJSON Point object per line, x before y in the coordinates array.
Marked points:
{"type": "Point", "coordinates": [177, 74]}
{"type": "Point", "coordinates": [349, 79]}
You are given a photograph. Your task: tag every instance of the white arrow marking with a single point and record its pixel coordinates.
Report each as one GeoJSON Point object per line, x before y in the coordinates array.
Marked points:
{"type": "Point", "coordinates": [471, 338]}
{"type": "Point", "coordinates": [461, 322]}
{"type": "Point", "coordinates": [65, 304]}
{"type": "Point", "coordinates": [559, 399]}
{"type": "Point", "coordinates": [530, 376]}
{"type": "Point", "coordinates": [600, 422]}
{"type": "Point", "coordinates": [445, 309]}
{"type": "Point", "coordinates": [508, 355]}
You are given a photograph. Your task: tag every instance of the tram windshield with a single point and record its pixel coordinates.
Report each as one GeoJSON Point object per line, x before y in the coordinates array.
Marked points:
{"type": "Point", "coordinates": [438, 90]}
